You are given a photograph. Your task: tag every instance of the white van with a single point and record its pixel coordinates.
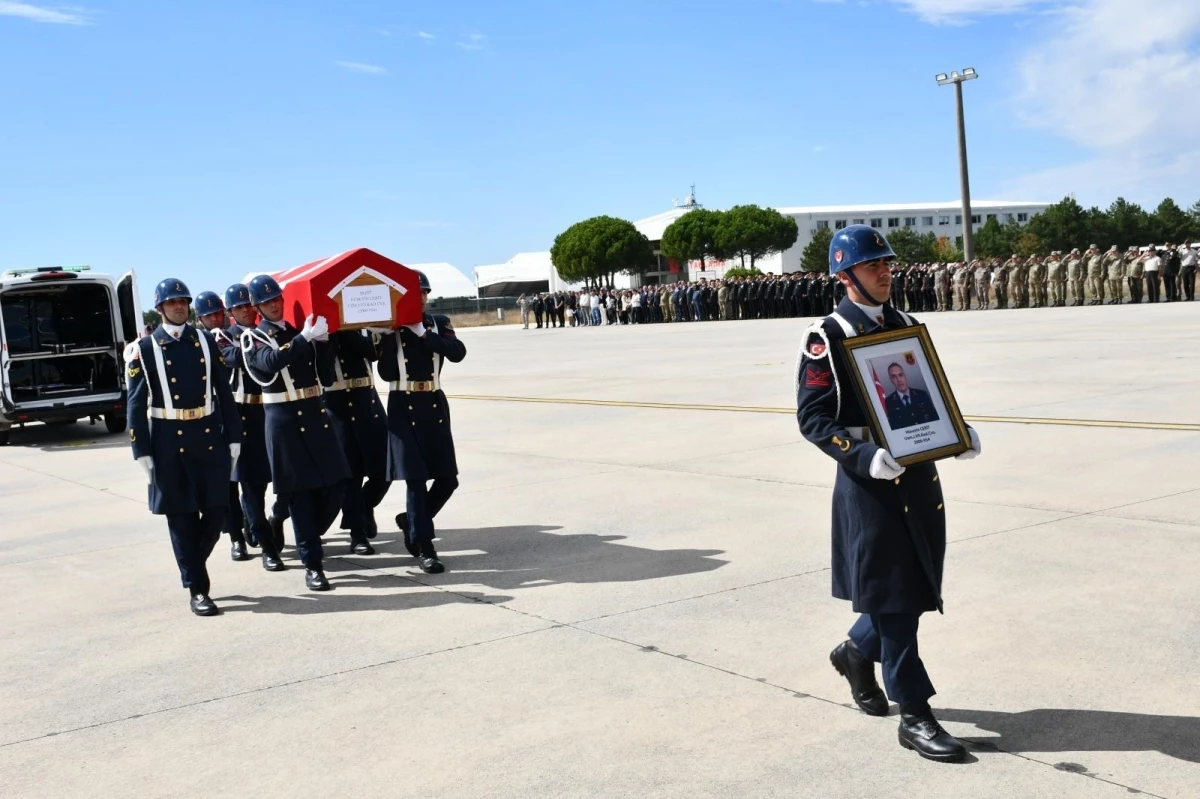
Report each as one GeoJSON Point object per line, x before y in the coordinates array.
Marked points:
{"type": "Point", "coordinates": [63, 330]}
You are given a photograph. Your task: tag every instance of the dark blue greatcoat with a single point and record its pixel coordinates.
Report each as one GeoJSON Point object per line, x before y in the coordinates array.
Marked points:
{"type": "Point", "coordinates": [358, 415]}
{"type": "Point", "coordinates": [420, 444]}
{"type": "Point", "coordinates": [253, 466]}
{"type": "Point", "coordinates": [302, 447]}
{"type": "Point", "coordinates": [191, 458]}
{"type": "Point", "coordinates": [889, 536]}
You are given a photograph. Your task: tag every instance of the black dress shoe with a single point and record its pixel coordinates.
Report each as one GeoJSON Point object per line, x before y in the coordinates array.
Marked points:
{"type": "Point", "coordinates": [860, 673]}
{"type": "Point", "coordinates": [921, 732]}
{"type": "Point", "coordinates": [203, 606]}
{"type": "Point", "coordinates": [359, 545]}
{"type": "Point", "coordinates": [315, 580]}
{"type": "Point", "coordinates": [430, 564]}
{"type": "Point", "coordinates": [237, 549]}
{"type": "Point", "coordinates": [272, 563]}
{"type": "Point", "coordinates": [277, 533]}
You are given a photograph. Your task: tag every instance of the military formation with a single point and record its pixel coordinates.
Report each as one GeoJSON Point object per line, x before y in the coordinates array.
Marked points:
{"type": "Point", "coordinates": [243, 402]}
{"type": "Point", "coordinates": [1087, 277]}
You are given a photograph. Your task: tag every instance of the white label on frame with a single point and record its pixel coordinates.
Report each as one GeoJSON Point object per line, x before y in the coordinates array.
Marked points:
{"type": "Point", "coordinates": [366, 304]}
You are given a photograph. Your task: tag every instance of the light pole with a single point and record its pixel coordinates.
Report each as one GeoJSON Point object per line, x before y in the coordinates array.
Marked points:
{"type": "Point", "coordinates": [957, 79]}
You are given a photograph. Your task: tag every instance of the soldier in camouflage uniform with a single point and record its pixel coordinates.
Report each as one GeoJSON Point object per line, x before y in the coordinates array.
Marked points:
{"type": "Point", "coordinates": [941, 286]}
{"type": "Point", "coordinates": [1056, 275]}
{"type": "Point", "coordinates": [1095, 274]}
{"type": "Point", "coordinates": [1114, 265]}
{"type": "Point", "coordinates": [1135, 269]}
{"type": "Point", "coordinates": [962, 287]}
{"type": "Point", "coordinates": [1076, 272]}
{"type": "Point", "coordinates": [982, 277]}
{"type": "Point", "coordinates": [1035, 279]}
{"type": "Point", "coordinates": [1000, 283]}
{"type": "Point", "coordinates": [1014, 269]}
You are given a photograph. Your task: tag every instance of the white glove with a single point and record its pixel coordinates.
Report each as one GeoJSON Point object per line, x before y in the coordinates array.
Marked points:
{"type": "Point", "coordinates": [234, 451]}
{"type": "Point", "coordinates": [147, 464]}
{"type": "Point", "coordinates": [418, 329]}
{"type": "Point", "coordinates": [315, 329]}
{"type": "Point", "coordinates": [884, 466]}
{"type": "Point", "coordinates": [975, 449]}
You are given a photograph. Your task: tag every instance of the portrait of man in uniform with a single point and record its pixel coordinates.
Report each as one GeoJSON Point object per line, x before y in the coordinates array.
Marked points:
{"type": "Point", "coordinates": [907, 405]}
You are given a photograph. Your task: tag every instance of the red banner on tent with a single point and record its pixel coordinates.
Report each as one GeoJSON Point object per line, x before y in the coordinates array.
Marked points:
{"type": "Point", "coordinates": [352, 290]}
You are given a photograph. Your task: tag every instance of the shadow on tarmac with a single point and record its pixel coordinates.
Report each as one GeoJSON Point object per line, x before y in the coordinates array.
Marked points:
{"type": "Point", "coordinates": [508, 558]}
{"type": "Point", "coordinates": [1061, 730]}
{"type": "Point", "coordinates": [66, 437]}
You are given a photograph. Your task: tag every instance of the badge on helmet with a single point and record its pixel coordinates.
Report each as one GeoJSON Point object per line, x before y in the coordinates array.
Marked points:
{"type": "Point", "coordinates": [171, 289]}
{"type": "Point", "coordinates": [424, 281]}
{"type": "Point", "coordinates": [857, 244]}
{"type": "Point", "coordinates": [264, 288]}
{"type": "Point", "coordinates": [207, 302]}
{"type": "Point", "coordinates": [236, 296]}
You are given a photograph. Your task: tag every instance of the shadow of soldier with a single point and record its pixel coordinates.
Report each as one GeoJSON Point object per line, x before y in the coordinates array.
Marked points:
{"type": "Point", "coordinates": [507, 558]}
{"type": "Point", "coordinates": [1061, 730]}
{"type": "Point", "coordinates": [335, 602]}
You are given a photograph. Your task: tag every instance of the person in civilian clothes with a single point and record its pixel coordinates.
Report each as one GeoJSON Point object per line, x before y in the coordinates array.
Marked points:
{"type": "Point", "coordinates": [175, 378]}
{"type": "Point", "coordinates": [210, 312]}
{"type": "Point", "coordinates": [420, 444]}
{"type": "Point", "coordinates": [253, 471]}
{"type": "Point", "coordinates": [361, 424]}
{"type": "Point", "coordinates": [889, 525]}
{"type": "Point", "coordinates": [307, 463]}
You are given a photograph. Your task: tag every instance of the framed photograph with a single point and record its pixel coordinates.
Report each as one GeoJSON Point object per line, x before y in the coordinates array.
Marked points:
{"type": "Point", "coordinates": [912, 411]}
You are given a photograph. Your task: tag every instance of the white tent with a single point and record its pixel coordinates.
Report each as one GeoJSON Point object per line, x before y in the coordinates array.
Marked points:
{"type": "Point", "coordinates": [446, 281]}
{"type": "Point", "coordinates": [523, 273]}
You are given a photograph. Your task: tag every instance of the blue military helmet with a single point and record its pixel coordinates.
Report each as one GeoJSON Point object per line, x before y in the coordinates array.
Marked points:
{"type": "Point", "coordinates": [236, 296]}
{"type": "Point", "coordinates": [264, 288]}
{"type": "Point", "coordinates": [207, 302]}
{"type": "Point", "coordinates": [424, 281]}
{"type": "Point", "coordinates": [856, 245]}
{"type": "Point", "coordinates": [171, 289]}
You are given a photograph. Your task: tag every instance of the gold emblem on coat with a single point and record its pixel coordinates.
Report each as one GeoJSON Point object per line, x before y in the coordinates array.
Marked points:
{"type": "Point", "coordinates": [844, 446]}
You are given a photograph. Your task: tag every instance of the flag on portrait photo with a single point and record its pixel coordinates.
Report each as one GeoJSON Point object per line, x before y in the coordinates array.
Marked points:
{"type": "Point", "coordinates": [879, 387]}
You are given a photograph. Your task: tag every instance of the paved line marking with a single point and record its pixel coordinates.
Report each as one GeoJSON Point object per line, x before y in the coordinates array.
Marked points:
{"type": "Point", "coordinates": [679, 406]}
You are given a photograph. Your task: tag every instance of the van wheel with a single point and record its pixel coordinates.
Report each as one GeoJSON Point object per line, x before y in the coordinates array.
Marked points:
{"type": "Point", "coordinates": [114, 422]}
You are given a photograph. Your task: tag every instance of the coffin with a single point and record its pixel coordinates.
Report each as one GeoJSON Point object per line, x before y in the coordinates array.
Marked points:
{"type": "Point", "coordinates": [352, 290]}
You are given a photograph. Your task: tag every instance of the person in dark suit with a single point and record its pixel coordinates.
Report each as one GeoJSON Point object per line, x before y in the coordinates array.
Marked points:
{"type": "Point", "coordinates": [176, 378]}
{"type": "Point", "coordinates": [307, 462]}
{"type": "Point", "coordinates": [889, 522]}
{"type": "Point", "coordinates": [907, 406]}
{"type": "Point", "coordinates": [420, 444]}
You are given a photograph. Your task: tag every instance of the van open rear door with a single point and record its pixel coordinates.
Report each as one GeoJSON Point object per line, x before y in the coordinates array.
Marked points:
{"type": "Point", "coordinates": [131, 314]}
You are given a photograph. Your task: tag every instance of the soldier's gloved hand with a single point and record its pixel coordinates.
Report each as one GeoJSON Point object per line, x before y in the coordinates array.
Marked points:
{"type": "Point", "coordinates": [315, 329]}
{"type": "Point", "coordinates": [975, 449]}
{"type": "Point", "coordinates": [235, 450]}
{"type": "Point", "coordinates": [418, 329]}
{"type": "Point", "coordinates": [884, 466]}
{"type": "Point", "coordinates": [147, 464]}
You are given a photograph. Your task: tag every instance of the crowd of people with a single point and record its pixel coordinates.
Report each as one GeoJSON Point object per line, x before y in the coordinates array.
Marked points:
{"type": "Point", "coordinates": [1092, 277]}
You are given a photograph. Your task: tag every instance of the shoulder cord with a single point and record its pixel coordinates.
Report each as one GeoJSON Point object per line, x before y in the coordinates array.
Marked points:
{"type": "Point", "coordinates": [248, 339]}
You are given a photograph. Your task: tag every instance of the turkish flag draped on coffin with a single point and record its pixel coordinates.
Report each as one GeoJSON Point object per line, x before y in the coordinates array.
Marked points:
{"type": "Point", "coordinates": [352, 290]}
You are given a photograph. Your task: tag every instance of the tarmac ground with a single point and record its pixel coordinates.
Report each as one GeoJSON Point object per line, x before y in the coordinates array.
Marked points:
{"type": "Point", "coordinates": [637, 598]}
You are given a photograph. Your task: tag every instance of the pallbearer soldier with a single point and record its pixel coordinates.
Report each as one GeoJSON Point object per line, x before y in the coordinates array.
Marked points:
{"type": "Point", "coordinates": [210, 311]}
{"type": "Point", "coordinates": [1076, 276]}
{"type": "Point", "coordinates": [307, 464]}
{"type": "Point", "coordinates": [253, 471]}
{"type": "Point", "coordinates": [189, 449]}
{"type": "Point", "coordinates": [361, 425]}
{"type": "Point", "coordinates": [420, 444]}
{"type": "Point", "coordinates": [889, 525]}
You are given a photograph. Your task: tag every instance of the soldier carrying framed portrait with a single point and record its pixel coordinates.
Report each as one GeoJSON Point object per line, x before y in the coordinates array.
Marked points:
{"type": "Point", "coordinates": [910, 406]}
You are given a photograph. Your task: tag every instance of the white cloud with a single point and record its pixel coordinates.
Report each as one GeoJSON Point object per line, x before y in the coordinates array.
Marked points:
{"type": "Point", "coordinates": [355, 66]}
{"type": "Point", "coordinates": [960, 12]}
{"type": "Point", "coordinates": [819, 148]}
{"type": "Point", "coordinates": [52, 16]}
{"type": "Point", "coordinates": [474, 41]}
{"type": "Point", "coordinates": [427, 36]}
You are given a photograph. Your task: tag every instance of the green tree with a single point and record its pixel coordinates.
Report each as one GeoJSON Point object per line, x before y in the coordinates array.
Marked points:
{"type": "Point", "coordinates": [1028, 243]}
{"type": "Point", "coordinates": [1099, 229]}
{"type": "Point", "coordinates": [912, 247]}
{"type": "Point", "coordinates": [750, 231]}
{"type": "Point", "coordinates": [1170, 223]}
{"type": "Point", "coordinates": [691, 237]}
{"type": "Point", "coordinates": [151, 318]}
{"type": "Point", "coordinates": [737, 271]}
{"type": "Point", "coordinates": [1194, 215]}
{"type": "Point", "coordinates": [595, 249]}
{"type": "Point", "coordinates": [1128, 225]}
{"type": "Point", "coordinates": [992, 241]}
{"type": "Point", "coordinates": [1061, 226]}
{"type": "Point", "coordinates": [815, 256]}
{"type": "Point", "coordinates": [946, 251]}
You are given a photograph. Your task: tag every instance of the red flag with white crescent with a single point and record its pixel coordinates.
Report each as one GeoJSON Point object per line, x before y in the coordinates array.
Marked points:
{"type": "Point", "coordinates": [879, 388]}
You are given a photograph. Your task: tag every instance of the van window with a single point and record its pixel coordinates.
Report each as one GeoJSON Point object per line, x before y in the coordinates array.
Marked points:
{"type": "Point", "coordinates": [57, 319]}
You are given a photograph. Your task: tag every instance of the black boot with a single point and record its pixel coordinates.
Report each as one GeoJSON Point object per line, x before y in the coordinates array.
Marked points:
{"type": "Point", "coordinates": [359, 544]}
{"type": "Point", "coordinates": [921, 732]}
{"type": "Point", "coordinates": [315, 580]}
{"type": "Point", "coordinates": [428, 560]}
{"type": "Point", "coordinates": [270, 558]}
{"type": "Point", "coordinates": [860, 673]}
{"type": "Point", "coordinates": [203, 606]}
{"type": "Point", "coordinates": [237, 546]}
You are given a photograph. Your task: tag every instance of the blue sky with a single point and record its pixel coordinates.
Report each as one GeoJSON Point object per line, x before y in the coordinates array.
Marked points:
{"type": "Point", "coordinates": [206, 140]}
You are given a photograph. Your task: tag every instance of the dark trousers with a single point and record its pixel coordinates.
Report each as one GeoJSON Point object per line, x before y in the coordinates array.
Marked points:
{"type": "Point", "coordinates": [890, 639]}
{"type": "Point", "coordinates": [1172, 287]}
{"type": "Point", "coordinates": [254, 509]}
{"type": "Point", "coordinates": [233, 521]}
{"type": "Point", "coordinates": [1152, 287]}
{"type": "Point", "coordinates": [1187, 282]}
{"type": "Point", "coordinates": [423, 504]}
{"type": "Point", "coordinates": [1136, 287]}
{"type": "Point", "coordinates": [313, 512]}
{"type": "Point", "coordinates": [360, 501]}
{"type": "Point", "coordinates": [193, 536]}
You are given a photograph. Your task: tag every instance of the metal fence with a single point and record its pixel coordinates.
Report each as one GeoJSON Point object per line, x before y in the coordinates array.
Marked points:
{"type": "Point", "coordinates": [453, 305]}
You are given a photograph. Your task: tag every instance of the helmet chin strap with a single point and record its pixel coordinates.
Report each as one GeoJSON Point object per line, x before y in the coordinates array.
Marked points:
{"type": "Point", "coordinates": [854, 279]}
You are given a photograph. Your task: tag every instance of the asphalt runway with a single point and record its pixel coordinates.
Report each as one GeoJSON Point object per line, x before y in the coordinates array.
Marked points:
{"type": "Point", "coordinates": [637, 597]}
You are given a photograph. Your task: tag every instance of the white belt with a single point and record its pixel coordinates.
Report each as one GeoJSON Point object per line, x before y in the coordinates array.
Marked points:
{"type": "Point", "coordinates": [416, 385]}
{"type": "Point", "coordinates": [353, 382]}
{"type": "Point", "coordinates": [275, 397]}
{"type": "Point", "coordinates": [181, 414]}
